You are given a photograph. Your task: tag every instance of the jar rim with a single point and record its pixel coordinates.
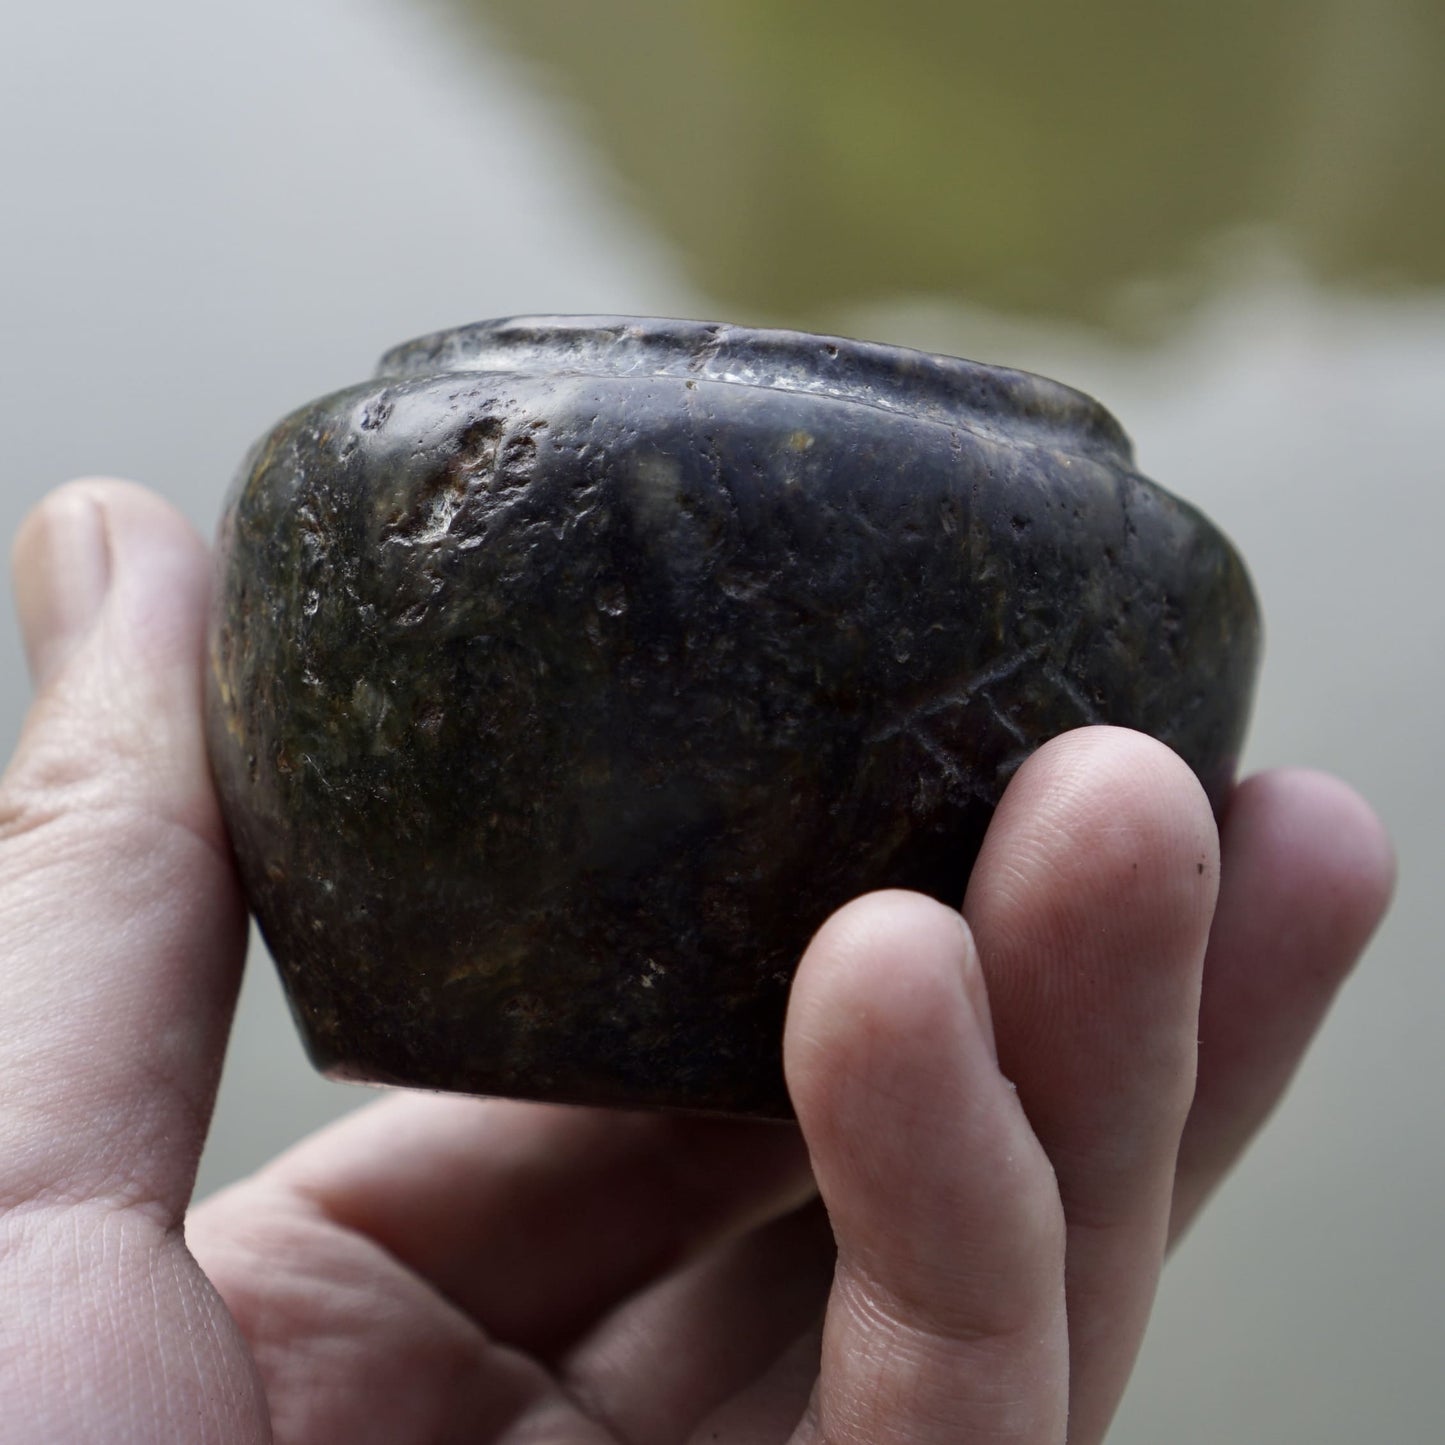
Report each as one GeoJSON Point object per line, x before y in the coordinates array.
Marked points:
{"type": "Point", "coordinates": [945, 389]}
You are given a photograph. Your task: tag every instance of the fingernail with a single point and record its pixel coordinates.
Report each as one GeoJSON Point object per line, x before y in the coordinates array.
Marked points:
{"type": "Point", "coordinates": [61, 575]}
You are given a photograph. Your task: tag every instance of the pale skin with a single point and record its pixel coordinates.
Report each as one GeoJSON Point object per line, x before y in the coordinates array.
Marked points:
{"type": "Point", "coordinates": [1005, 1114]}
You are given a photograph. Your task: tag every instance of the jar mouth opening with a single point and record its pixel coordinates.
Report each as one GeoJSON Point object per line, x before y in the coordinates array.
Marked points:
{"type": "Point", "coordinates": [943, 389]}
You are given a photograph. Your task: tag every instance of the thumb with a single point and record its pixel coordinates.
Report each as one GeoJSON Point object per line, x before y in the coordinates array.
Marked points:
{"type": "Point", "coordinates": [122, 928]}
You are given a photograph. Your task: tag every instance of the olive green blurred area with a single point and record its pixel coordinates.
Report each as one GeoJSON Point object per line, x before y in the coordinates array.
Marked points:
{"type": "Point", "coordinates": [1097, 163]}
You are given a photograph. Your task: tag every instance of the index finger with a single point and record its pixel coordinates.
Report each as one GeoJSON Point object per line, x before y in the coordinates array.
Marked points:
{"type": "Point", "coordinates": [946, 1320]}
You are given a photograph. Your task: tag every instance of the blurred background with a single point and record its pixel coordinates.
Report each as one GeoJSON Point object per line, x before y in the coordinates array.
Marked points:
{"type": "Point", "coordinates": [1226, 221]}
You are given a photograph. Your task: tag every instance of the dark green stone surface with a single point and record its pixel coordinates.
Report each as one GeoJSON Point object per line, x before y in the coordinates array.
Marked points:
{"type": "Point", "coordinates": [567, 676]}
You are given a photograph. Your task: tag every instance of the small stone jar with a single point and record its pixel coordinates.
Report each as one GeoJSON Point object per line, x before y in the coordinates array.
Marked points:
{"type": "Point", "coordinates": [566, 676]}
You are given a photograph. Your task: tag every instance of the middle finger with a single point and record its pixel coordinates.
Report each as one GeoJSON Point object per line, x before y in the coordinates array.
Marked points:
{"type": "Point", "coordinates": [1091, 905]}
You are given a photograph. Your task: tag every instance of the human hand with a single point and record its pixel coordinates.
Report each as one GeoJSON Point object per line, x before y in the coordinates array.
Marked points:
{"type": "Point", "coordinates": [1002, 1117]}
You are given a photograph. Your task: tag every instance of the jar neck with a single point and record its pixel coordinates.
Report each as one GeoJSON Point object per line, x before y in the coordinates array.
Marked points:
{"type": "Point", "coordinates": [943, 389]}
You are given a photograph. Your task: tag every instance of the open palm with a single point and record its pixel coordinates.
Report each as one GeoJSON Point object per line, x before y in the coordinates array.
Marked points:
{"type": "Point", "coordinates": [1002, 1120]}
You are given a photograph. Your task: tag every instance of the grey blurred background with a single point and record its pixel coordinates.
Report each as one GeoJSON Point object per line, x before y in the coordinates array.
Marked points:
{"type": "Point", "coordinates": [1228, 222]}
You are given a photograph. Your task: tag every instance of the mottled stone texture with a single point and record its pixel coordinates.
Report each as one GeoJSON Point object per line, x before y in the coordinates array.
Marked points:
{"type": "Point", "coordinates": [565, 678]}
